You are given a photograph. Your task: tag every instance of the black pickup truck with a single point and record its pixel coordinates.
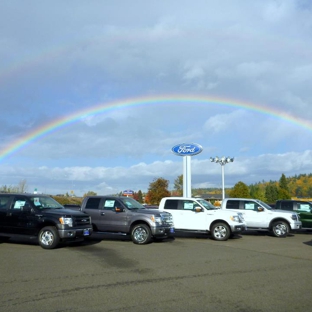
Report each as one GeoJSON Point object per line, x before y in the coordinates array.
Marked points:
{"type": "Point", "coordinates": [303, 208]}
{"type": "Point", "coordinates": [43, 218]}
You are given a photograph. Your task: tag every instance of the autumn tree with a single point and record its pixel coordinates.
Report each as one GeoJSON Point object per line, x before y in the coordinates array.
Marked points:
{"type": "Point", "coordinates": [157, 190]}
{"type": "Point", "coordinates": [178, 185]}
{"type": "Point", "coordinates": [240, 189]}
{"type": "Point", "coordinates": [9, 189]}
{"type": "Point", "coordinates": [90, 193]}
{"type": "Point", "coordinates": [138, 196]}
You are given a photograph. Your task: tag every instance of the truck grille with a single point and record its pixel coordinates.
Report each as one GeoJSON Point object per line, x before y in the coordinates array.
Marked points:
{"type": "Point", "coordinates": [166, 219]}
{"type": "Point", "coordinates": [241, 217]}
{"type": "Point", "coordinates": [83, 220]}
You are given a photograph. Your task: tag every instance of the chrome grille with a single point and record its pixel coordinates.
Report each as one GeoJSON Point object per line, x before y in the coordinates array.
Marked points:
{"type": "Point", "coordinates": [166, 218]}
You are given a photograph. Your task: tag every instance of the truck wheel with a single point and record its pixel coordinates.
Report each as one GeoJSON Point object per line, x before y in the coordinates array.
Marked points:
{"type": "Point", "coordinates": [220, 231]}
{"type": "Point", "coordinates": [141, 234]}
{"type": "Point", "coordinates": [48, 237]}
{"type": "Point", "coordinates": [280, 228]}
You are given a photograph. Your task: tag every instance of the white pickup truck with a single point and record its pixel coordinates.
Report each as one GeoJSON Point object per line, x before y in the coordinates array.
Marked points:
{"type": "Point", "coordinates": [260, 216]}
{"type": "Point", "coordinates": [200, 216]}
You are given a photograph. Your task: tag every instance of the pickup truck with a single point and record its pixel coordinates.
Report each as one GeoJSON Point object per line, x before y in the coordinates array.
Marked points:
{"type": "Point", "coordinates": [42, 218]}
{"type": "Point", "coordinates": [196, 215]}
{"type": "Point", "coordinates": [303, 208]}
{"type": "Point", "coordinates": [260, 216]}
{"type": "Point", "coordinates": [125, 216]}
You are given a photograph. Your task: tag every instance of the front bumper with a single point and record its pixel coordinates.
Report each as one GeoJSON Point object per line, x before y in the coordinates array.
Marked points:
{"type": "Point", "coordinates": [238, 228]}
{"type": "Point", "coordinates": [163, 231]}
{"type": "Point", "coordinates": [75, 233]}
{"type": "Point", "coordinates": [297, 225]}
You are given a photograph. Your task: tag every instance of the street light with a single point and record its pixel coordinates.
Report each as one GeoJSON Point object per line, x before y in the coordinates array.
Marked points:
{"type": "Point", "coordinates": [222, 161]}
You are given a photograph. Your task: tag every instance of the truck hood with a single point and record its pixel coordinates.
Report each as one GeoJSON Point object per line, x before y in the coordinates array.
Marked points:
{"type": "Point", "coordinates": [62, 212]}
{"type": "Point", "coordinates": [279, 211]}
{"type": "Point", "coordinates": [147, 211]}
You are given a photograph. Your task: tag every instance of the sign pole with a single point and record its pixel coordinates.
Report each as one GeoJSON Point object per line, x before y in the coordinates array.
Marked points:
{"type": "Point", "coordinates": [187, 150]}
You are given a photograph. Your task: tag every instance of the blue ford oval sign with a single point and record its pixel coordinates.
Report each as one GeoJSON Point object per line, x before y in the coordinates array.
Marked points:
{"type": "Point", "coordinates": [187, 149]}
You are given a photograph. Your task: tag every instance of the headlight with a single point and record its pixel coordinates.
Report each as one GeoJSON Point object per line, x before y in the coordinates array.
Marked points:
{"type": "Point", "coordinates": [234, 218]}
{"type": "Point", "coordinates": [68, 221]}
{"type": "Point", "coordinates": [156, 220]}
{"type": "Point", "coordinates": [295, 217]}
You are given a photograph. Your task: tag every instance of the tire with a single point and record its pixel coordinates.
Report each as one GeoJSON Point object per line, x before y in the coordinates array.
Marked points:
{"type": "Point", "coordinates": [280, 228]}
{"type": "Point", "coordinates": [48, 237]}
{"type": "Point", "coordinates": [220, 231]}
{"type": "Point", "coordinates": [141, 234]}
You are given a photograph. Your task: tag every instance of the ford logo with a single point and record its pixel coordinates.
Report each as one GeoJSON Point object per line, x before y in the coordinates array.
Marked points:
{"type": "Point", "coordinates": [187, 149]}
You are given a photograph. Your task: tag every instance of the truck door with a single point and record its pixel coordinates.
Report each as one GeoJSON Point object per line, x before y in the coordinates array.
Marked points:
{"type": "Point", "coordinates": [184, 215]}
{"type": "Point", "coordinates": [20, 221]}
{"type": "Point", "coordinates": [112, 220]}
{"type": "Point", "coordinates": [5, 201]}
{"type": "Point", "coordinates": [253, 217]}
{"type": "Point", "coordinates": [304, 209]}
{"type": "Point", "coordinates": [191, 219]}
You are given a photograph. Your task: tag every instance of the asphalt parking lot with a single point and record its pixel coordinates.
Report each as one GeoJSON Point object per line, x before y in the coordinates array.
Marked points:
{"type": "Point", "coordinates": [251, 272]}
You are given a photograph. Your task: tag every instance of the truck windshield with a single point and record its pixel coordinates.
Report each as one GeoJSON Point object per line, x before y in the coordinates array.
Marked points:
{"type": "Point", "coordinates": [45, 202]}
{"type": "Point", "coordinates": [131, 203]}
{"type": "Point", "coordinates": [264, 204]}
{"type": "Point", "coordinates": [206, 204]}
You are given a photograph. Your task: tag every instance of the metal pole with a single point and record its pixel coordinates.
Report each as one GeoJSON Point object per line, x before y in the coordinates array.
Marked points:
{"type": "Point", "coordinates": [222, 171]}
{"type": "Point", "coordinates": [222, 161]}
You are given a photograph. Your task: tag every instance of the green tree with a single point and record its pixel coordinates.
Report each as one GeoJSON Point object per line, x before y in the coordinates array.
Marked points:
{"type": "Point", "coordinates": [283, 192]}
{"type": "Point", "coordinates": [283, 182]}
{"type": "Point", "coordinates": [157, 190]}
{"type": "Point", "coordinates": [257, 191]}
{"type": "Point", "coordinates": [240, 189]}
{"type": "Point", "coordinates": [178, 185]}
{"type": "Point", "coordinates": [271, 192]}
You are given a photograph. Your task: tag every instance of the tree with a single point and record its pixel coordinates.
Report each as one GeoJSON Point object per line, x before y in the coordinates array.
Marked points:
{"type": "Point", "coordinates": [257, 191]}
{"type": "Point", "coordinates": [90, 193]}
{"type": "Point", "coordinates": [178, 184]}
{"type": "Point", "coordinates": [156, 191]}
{"type": "Point", "coordinates": [283, 182]}
{"type": "Point", "coordinates": [283, 192]}
{"type": "Point", "coordinates": [138, 196]}
{"type": "Point", "coordinates": [240, 189]}
{"type": "Point", "coordinates": [22, 186]}
{"type": "Point", "coordinates": [271, 192]}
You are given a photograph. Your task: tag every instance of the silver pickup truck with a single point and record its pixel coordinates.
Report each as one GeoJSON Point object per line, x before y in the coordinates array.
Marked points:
{"type": "Point", "coordinates": [125, 216]}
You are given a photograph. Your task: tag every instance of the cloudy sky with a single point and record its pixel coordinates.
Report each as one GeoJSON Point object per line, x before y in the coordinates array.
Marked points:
{"type": "Point", "coordinates": [94, 94]}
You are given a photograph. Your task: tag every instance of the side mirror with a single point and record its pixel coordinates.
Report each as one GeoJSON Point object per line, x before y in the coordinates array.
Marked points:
{"type": "Point", "coordinates": [26, 208]}
{"type": "Point", "coordinates": [118, 209]}
{"type": "Point", "coordinates": [260, 209]}
{"type": "Point", "coordinates": [198, 209]}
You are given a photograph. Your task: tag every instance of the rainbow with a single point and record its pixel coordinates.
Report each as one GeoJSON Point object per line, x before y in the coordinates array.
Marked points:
{"type": "Point", "coordinates": [59, 123]}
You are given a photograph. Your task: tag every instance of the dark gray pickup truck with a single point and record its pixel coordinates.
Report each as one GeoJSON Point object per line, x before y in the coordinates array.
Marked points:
{"type": "Point", "coordinates": [125, 216]}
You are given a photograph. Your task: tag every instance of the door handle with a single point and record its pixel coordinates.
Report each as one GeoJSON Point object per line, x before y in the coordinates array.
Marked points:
{"type": "Point", "coordinates": [102, 213]}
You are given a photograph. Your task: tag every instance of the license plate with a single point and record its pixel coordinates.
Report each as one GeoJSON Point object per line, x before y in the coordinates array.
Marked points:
{"type": "Point", "coordinates": [86, 232]}
{"type": "Point", "coordinates": [171, 230]}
